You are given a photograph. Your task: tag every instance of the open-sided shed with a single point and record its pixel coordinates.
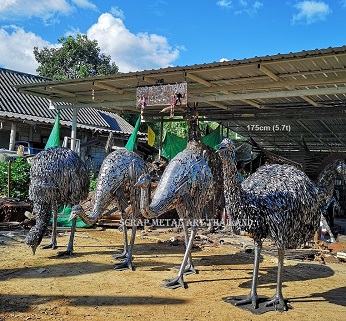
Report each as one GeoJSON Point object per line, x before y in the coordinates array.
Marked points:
{"type": "Point", "coordinates": [279, 100]}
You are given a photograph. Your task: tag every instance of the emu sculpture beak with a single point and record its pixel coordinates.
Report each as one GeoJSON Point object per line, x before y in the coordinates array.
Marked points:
{"type": "Point", "coordinates": [76, 210]}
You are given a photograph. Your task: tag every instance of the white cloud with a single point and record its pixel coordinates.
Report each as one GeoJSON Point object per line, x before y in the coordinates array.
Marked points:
{"type": "Point", "coordinates": [224, 3]}
{"type": "Point", "coordinates": [85, 4]}
{"type": "Point", "coordinates": [241, 6]}
{"type": "Point", "coordinates": [47, 10]}
{"type": "Point", "coordinates": [118, 13]}
{"type": "Point", "coordinates": [311, 11]}
{"type": "Point", "coordinates": [18, 52]}
{"type": "Point", "coordinates": [224, 59]}
{"type": "Point", "coordinates": [131, 52]}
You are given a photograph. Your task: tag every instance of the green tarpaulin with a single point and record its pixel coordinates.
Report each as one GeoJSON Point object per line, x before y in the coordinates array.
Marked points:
{"type": "Point", "coordinates": [174, 144]}
{"type": "Point", "coordinates": [54, 137]}
{"type": "Point", "coordinates": [64, 215]}
{"type": "Point", "coordinates": [131, 143]}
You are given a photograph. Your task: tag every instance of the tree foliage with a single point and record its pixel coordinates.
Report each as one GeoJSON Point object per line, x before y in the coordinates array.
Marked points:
{"type": "Point", "coordinates": [20, 178]}
{"type": "Point", "coordinates": [76, 58]}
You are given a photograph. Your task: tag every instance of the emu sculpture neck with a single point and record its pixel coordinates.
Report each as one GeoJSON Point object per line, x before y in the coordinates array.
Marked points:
{"type": "Point", "coordinates": [233, 185]}
{"type": "Point", "coordinates": [325, 180]}
{"type": "Point", "coordinates": [145, 208]}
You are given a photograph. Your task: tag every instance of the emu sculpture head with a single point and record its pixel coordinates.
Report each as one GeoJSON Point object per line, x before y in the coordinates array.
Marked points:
{"type": "Point", "coordinates": [226, 150]}
{"type": "Point", "coordinates": [34, 238]}
{"type": "Point", "coordinates": [341, 168]}
{"type": "Point", "coordinates": [42, 214]}
{"type": "Point", "coordinates": [143, 180]}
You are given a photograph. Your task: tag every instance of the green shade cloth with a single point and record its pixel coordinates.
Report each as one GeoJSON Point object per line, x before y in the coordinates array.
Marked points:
{"type": "Point", "coordinates": [130, 145]}
{"type": "Point", "coordinates": [174, 144]}
{"type": "Point", "coordinates": [213, 139]}
{"type": "Point", "coordinates": [54, 137]}
{"type": "Point", "coordinates": [64, 215]}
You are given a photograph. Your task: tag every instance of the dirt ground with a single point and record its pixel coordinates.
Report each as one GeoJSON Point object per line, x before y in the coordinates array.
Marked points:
{"type": "Point", "coordinates": [86, 287]}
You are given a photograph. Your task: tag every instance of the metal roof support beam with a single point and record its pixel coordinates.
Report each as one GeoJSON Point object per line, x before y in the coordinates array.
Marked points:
{"type": "Point", "coordinates": [312, 133]}
{"type": "Point", "coordinates": [310, 101]}
{"type": "Point", "coordinates": [252, 103]}
{"type": "Point", "coordinates": [59, 91]}
{"type": "Point", "coordinates": [327, 127]}
{"type": "Point", "coordinates": [270, 85]}
{"type": "Point", "coordinates": [108, 87]}
{"type": "Point", "coordinates": [220, 106]}
{"type": "Point", "coordinates": [199, 80]}
{"type": "Point", "coordinates": [274, 94]}
{"type": "Point", "coordinates": [269, 73]}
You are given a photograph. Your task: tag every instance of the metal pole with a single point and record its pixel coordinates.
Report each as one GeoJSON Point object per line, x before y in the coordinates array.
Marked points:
{"type": "Point", "coordinates": [74, 128]}
{"type": "Point", "coordinates": [13, 136]}
{"type": "Point", "coordinates": [161, 136]}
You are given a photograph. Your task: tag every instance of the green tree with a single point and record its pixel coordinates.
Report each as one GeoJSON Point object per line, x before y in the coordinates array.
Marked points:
{"type": "Point", "coordinates": [76, 58]}
{"type": "Point", "coordinates": [20, 178]}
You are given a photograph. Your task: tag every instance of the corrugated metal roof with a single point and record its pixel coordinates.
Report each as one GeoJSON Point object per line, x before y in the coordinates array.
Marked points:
{"type": "Point", "coordinates": [32, 108]}
{"type": "Point", "coordinates": [306, 90]}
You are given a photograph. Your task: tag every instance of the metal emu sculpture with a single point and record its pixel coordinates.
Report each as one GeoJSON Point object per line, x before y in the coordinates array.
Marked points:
{"type": "Point", "coordinates": [57, 176]}
{"type": "Point", "coordinates": [196, 144]}
{"type": "Point", "coordinates": [277, 201]}
{"type": "Point", "coordinates": [118, 174]}
{"type": "Point", "coordinates": [187, 186]}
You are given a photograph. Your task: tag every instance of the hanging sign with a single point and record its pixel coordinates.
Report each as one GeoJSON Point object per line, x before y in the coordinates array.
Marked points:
{"type": "Point", "coordinates": [162, 95]}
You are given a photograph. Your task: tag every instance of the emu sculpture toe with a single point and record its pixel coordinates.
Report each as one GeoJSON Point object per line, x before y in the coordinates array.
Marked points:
{"type": "Point", "coordinates": [126, 265]}
{"type": "Point", "coordinates": [49, 246]}
{"type": "Point", "coordinates": [121, 256]}
{"type": "Point", "coordinates": [33, 249]}
{"type": "Point", "coordinates": [278, 302]}
{"type": "Point", "coordinates": [190, 269]}
{"type": "Point", "coordinates": [175, 283]}
{"type": "Point", "coordinates": [65, 253]}
{"type": "Point", "coordinates": [251, 298]}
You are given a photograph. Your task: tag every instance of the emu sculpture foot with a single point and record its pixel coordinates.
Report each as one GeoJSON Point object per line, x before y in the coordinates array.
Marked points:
{"type": "Point", "coordinates": [174, 283]}
{"type": "Point", "coordinates": [126, 265]}
{"type": "Point", "coordinates": [65, 253]}
{"type": "Point", "coordinates": [189, 269]}
{"type": "Point", "coordinates": [49, 246]}
{"type": "Point", "coordinates": [251, 298]}
{"type": "Point", "coordinates": [278, 303]}
{"type": "Point", "coordinates": [121, 256]}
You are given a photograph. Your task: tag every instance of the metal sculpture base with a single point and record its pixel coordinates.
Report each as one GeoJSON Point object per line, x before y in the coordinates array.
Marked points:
{"type": "Point", "coordinates": [262, 300]}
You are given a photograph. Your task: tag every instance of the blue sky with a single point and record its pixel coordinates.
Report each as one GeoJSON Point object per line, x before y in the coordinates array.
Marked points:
{"type": "Point", "coordinates": [151, 34]}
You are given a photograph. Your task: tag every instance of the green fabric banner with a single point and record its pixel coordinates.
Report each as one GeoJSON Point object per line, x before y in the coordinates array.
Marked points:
{"type": "Point", "coordinates": [174, 144]}
{"type": "Point", "coordinates": [213, 138]}
{"type": "Point", "coordinates": [54, 137]}
{"type": "Point", "coordinates": [130, 145]}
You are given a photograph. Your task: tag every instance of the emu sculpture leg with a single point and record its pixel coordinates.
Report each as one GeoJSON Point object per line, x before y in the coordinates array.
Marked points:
{"type": "Point", "coordinates": [124, 254]}
{"type": "Point", "coordinates": [277, 300]}
{"type": "Point", "coordinates": [127, 264]}
{"type": "Point", "coordinates": [178, 281]}
{"type": "Point", "coordinates": [189, 268]}
{"type": "Point", "coordinates": [253, 297]}
{"type": "Point", "coordinates": [69, 250]}
{"type": "Point", "coordinates": [53, 243]}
